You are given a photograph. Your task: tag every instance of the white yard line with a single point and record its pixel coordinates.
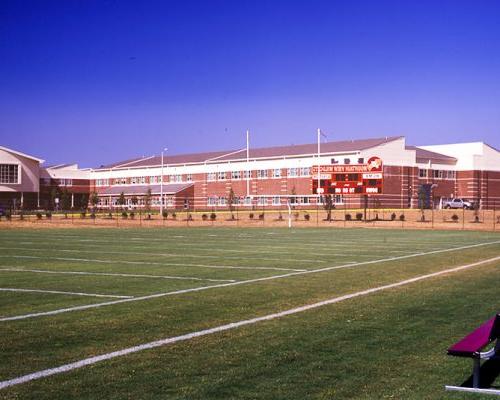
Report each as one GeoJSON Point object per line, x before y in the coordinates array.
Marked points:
{"type": "Point", "coordinates": [198, 289]}
{"type": "Point", "coordinates": [107, 251]}
{"type": "Point", "coordinates": [44, 271]}
{"type": "Point", "coordinates": [61, 292]}
{"type": "Point", "coordinates": [227, 327]}
{"type": "Point", "coordinates": [149, 263]}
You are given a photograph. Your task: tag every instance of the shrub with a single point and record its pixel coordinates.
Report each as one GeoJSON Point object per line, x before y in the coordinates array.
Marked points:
{"type": "Point", "coordinates": [296, 216]}
{"type": "Point", "coordinates": [204, 217]}
{"type": "Point", "coordinates": [393, 216]}
{"type": "Point", "coordinates": [250, 215]}
{"type": "Point", "coordinates": [48, 214]}
{"type": "Point", "coordinates": [280, 217]}
{"type": "Point", "coordinates": [307, 217]}
{"type": "Point", "coordinates": [21, 216]}
{"type": "Point", "coordinates": [261, 216]}
{"type": "Point", "coordinates": [148, 216]}
{"type": "Point", "coordinates": [376, 217]}
{"type": "Point", "coordinates": [402, 217]}
{"type": "Point", "coordinates": [92, 215]}
{"type": "Point", "coordinates": [83, 214]}
{"type": "Point", "coordinates": [110, 216]}
{"type": "Point", "coordinates": [189, 217]}
{"type": "Point", "coordinates": [454, 218]}
{"type": "Point", "coordinates": [124, 215]}
{"type": "Point", "coordinates": [38, 215]}
{"type": "Point", "coordinates": [359, 216]}
{"type": "Point", "coordinates": [65, 215]}
{"type": "Point", "coordinates": [132, 215]}
{"type": "Point", "coordinates": [174, 215]}
{"type": "Point", "coordinates": [164, 214]}
{"type": "Point", "coordinates": [213, 216]}
{"type": "Point", "coordinates": [348, 217]}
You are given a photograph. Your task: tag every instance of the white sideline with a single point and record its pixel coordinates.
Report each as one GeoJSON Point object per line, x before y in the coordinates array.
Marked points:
{"type": "Point", "coordinates": [61, 292]}
{"type": "Point", "coordinates": [149, 263]}
{"type": "Point", "coordinates": [45, 271]}
{"type": "Point", "coordinates": [268, 278]}
{"type": "Point", "coordinates": [226, 327]}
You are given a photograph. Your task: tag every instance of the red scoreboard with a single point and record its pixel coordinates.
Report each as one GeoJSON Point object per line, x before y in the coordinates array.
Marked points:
{"type": "Point", "coordinates": [348, 179]}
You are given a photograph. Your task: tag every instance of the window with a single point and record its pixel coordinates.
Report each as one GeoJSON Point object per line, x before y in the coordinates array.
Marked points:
{"type": "Point", "coordinates": [261, 201]}
{"type": "Point", "coordinates": [334, 161]}
{"type": "Point", "coordinates": [236, 175]}
{"type": "Point", "coordinates": [422, 173]}
{"type": "Point", "coordinates": [247, 201]}
{"type": "Point", "coordinates": [305, 171]}
{"type": "Point", "coordinates": [120, 181]}
{"type": "Point", "coordinates": [305, 200]}
{"type": "Point", "coordinates": [347, 160]}
{"type": "Point", "coordinates": [9, 173]}
{"type": "Point", "coordinates": [247, 174]}
{"type": "Point", "coordinates": [141, 180]}
{"type": "Point", "coordinates": [222, 201]}
{"type": "Point", "coordinates": [276, 173]}
{"type": "Point", "coordinates": [154, 179]}
{"type": "Point", "coordinates": [211, 176]}
{"type": "Point", "coordinates": [262, 174]}
{"type": "Point", "coordinates": [133, 180]}
{"type": "Point", "coordinates": [361, 160]}
{"type": "Point", "coordinates": [175, 178]}
{"type": "Point", "coordinates": [66, 182]}
{"type": "Point", "coordinates": [276, 201]}
{"type": "Point", "coordinates": [212, 200]}
{"type": "Point", "coordinates": [189, 178]}
{"type": "Point", "coordinates": [221, 176]}
{"type": "Point", "coordinates": [293, 172]}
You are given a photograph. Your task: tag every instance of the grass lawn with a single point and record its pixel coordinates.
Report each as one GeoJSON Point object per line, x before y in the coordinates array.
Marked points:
{"type": "Point", "coordinates": [66, 295]}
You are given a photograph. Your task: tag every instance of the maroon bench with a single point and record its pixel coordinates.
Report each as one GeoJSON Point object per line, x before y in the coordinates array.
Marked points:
{"type": "Point", "coordinates": [471, 346]}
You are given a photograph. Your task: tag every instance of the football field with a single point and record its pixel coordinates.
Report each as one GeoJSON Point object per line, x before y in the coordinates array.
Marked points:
{"type": "Point", "coordinates": [250, 313]}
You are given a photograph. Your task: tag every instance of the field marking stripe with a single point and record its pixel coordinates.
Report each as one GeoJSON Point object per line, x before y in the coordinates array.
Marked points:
{"type": "Point", "coordinates": [148, 263]}
{"type": "Point", "coordinates": [61, 292]}
{"type": "Point", "coordinates": [268, 278]}
{"type": "Point", "coordinates": [230, 326]}
{"type": "Point", "coordinates": [172, 255]}
{"type": "Point", "coordinates": [43, 271]}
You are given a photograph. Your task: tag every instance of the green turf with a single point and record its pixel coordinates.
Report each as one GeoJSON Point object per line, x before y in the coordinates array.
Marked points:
{"type": "Point", "coordinates": [387, 344]}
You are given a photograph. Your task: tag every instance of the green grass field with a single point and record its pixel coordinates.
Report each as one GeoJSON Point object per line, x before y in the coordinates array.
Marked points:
{"type": "Point", "coordinates": [70, 294]}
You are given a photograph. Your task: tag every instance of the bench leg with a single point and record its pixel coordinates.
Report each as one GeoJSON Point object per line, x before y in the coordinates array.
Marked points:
{"type": "Point", "coordinates": [475, 372]}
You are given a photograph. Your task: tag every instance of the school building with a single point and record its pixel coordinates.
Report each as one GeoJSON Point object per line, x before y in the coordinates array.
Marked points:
{"type": "Point", "coordinates": [380, 172]}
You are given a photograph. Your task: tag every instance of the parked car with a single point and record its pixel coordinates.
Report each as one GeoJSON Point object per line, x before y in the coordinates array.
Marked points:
{"type": "Point", "coordinates": [458, 203]}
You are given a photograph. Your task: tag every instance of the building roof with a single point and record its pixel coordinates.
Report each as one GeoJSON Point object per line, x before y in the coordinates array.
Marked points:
{"type": "Point", "coordinates": [424, 156]}
{"type": "Point", "coordinates": [21, 154]}
{"type": "Point", "coordinates": [170, 188]}
{"type": "Point", "coordinates": [263, 152]}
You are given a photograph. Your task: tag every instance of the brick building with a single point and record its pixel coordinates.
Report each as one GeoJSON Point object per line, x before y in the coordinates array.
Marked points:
{"type": "Point", "coordinates": [261, 177]}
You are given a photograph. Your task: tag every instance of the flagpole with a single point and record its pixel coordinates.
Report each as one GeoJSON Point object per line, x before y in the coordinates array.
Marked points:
{"type": "Point", "coordinates": [319, 153]}
{"type": "Point", "coordinates": [248, 164]}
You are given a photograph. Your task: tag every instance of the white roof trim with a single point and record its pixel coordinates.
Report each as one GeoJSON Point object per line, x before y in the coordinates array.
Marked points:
{"type": "Point", "coordinates": [21, 154]}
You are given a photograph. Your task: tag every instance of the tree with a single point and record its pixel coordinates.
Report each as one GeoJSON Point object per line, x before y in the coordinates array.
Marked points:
{"type": "Point", "coordinates": [230, 201]}
{"type": "Point", "coordinates": [147, 200]}
{"type": "Point", "coordinates": [134, 200]}
{"type": "Point", "coordinates": [328, 205]}
{"type": "Point", "coordinates": [121, 200]}
{"type": "Point", "coordinates": [292, 198]}
{"type": "Point", "coordinates": [94, 199]}
{"type": "Point", "coordinates": [65, 199]}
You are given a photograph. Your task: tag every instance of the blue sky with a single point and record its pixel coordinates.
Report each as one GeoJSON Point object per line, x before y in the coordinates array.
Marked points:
{"type": "Point", "coordinates": [98, 81]}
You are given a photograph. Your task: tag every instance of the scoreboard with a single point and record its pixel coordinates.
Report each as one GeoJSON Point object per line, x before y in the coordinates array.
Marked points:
{"type": "Point", "coordinates": [345, 179]}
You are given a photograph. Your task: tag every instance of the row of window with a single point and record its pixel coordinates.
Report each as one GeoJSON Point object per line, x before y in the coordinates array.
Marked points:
{"type": "Point", "coordinates": [437, 174]}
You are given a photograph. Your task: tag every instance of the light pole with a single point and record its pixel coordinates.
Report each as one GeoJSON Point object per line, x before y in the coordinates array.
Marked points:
{"type": "Point", "coordinates": [161, 183]}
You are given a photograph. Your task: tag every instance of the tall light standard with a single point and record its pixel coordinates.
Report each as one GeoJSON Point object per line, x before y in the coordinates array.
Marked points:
{"type": "Point", "coordinates": [161, 183]}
